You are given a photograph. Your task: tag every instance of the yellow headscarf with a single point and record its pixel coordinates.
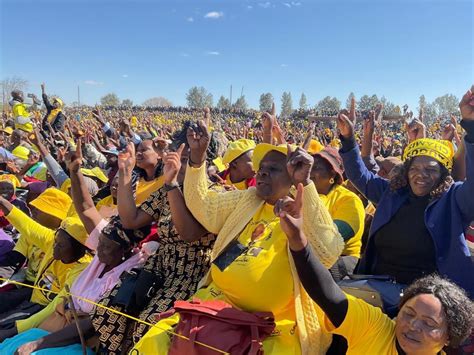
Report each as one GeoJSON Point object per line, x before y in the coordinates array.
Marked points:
{"type": "Point", "coordinates": [440, 150]}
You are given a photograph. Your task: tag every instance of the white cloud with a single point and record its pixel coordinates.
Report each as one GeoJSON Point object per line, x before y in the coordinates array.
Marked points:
{"type": "Point", "coordinates": [283, 65]}
{"type": "Point", "coordinates": [190, 19]}
{"type": "Point", "coordinates": [295, 3]}
{"type": "Point", "coordinates": [265, 5]}
{"type": "Point", "coordinates": [214, 14]}
{"type": "Point", "coordinates": [93, 82]}
{"type": "Point", "coordinates": [212, 53]}
{"type": "Point", "coordinates": [125, 76]}
{"type": "Point", "coordinates": [287, 5]}
{"type": "Point", "coordinates": [184, 55]}
{"type": "Point", "coordinates": [250, 7]}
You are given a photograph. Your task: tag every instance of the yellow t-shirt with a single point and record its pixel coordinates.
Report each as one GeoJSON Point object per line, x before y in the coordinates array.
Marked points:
{"type": "Point", "coordinates": [52, 274]}
{"type": "Point", "coordinates": [367, 329]}
{"type": "Point", "coordinates": [106, 207]}
{"type": "Point", "coordinates": [146, 188]}
{"type": "Point", "coordinates": [33, 254]}
{"type": "Point", "coordinates": [239, 185]}
{"type": "Point", "coordinates": [259, 280]}
{"type": "Point", "coordinates": [344, 205]}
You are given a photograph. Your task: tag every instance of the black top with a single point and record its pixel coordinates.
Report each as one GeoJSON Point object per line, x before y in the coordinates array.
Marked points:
{"type": "Point", "coordinates": [405, 249]}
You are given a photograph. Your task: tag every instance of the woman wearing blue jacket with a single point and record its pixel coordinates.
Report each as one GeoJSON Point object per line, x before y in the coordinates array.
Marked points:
{"type": "Point", "coordinates": [422, 214]}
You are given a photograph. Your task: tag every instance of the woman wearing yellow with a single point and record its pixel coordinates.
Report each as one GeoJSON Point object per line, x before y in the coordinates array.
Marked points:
{"type": "Point", "coordinates": [262, 276]}
{"type": "Point", "coordinates": [345, 207]}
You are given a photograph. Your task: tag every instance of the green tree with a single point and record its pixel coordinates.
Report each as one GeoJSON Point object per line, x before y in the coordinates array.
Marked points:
{"type": "Point", "coordinates": [157, 102]}
{"type": "Point", "coordinates": [348, 101]}
{"type": "Point", "coordinates": [446, 105]}
{"type": "Point", "coordinates": [199, 97]}
{"type": "Point", "coordinates": [223, 103]}
{"type": "Point", "coordinates": [241, 103]}
{"type": "Point", "coordinates": [328, 106]}
{"type": "Point", "coordinates": [286, 104]}
{"type": "Point", "coordinates": [127, 102]}
{"type": "Point", "coordinates": [389, 108]}
{"type": "Point", "coordinates": [9, 84]}
{"type": "Point", "coordinates": [367, 103]}
{"type": "Point", "coordinates": [110, 99]}
{"type": "Point", "coordinates": [422, 103]}
{"type": "Point", "coordinates": [303, 102]}
{"type": "Point", "coordinates": [266, 101]}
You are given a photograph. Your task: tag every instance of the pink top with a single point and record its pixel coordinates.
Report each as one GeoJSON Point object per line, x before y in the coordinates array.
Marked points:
{"type": "Point", "coordinates": [89, 285]}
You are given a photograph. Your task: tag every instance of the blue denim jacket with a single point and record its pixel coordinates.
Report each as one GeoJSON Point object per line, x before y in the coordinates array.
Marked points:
{"type": "Point", "coordinates": [446, 218]}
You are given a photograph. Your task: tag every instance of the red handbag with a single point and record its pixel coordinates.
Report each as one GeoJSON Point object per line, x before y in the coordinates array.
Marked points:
{"type": "Point", "coordinates": [220, 326]}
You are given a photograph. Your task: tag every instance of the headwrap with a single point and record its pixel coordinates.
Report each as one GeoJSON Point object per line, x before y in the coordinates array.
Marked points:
{"type": "Point", "coordinates": [440, 150]}
{"type": "Point", "coordinates": [125, 237]}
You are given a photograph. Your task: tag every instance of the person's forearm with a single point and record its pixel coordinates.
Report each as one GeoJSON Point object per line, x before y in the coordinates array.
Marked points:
{"type": "Point", "coordinates": [459, 163]}
{"type": "Point", "coordinates": [367, 145]}
{"type": "Point", "coordinates": [125, 202]}
{"type": "Point", "coordinates": [188, 228]}
{"type": "Point", "coordinates": [5, 206]}
{"type": "Point", "coordinates": [80, 194]}
{"type": "Point", "coordinates": [320, 285]}
{"type": "Point", "coordinates": [56, 171]}
{"type": "Point", "coordinates": [68, 335]}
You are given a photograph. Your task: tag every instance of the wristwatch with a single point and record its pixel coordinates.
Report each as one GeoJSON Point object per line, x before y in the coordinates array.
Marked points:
{"type": "Point", "coordinates": [172, 186]}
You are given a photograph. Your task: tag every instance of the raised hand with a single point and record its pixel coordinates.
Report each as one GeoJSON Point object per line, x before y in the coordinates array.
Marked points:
{"type": "Point", "coordinates": [345, 126]}
{"type": "Point", "coordinates": [207, 116]}
{"type": "Point", "coordinates": [43, 88]}
{"type": "Point", "coordinates": [299, 163]}
{"type": "Point", "coordinates": [198, 139]}
{"type": "Point", "coordinates": [415, 130]}
{"type": "Point", "coordinates": [172, 165]}
{"type": "Point", "coordinates": [467, 105]}
{"type": "Point", "coordinates": [269, 119]}
{"type": "Point", "coordinates": [74, 159]}
{"type": "Point", "coordinates": [291, 219]}
{"type": "Point", "coordinates": [127, 159]}
{"type": "Point", "coordinates": [98, 116]}
{"type": "Point", "coordinates": [448, 132]}
{"type": "Point", "coordinates": [369, 125]}
{"type": "Point", "coordinates": [352, 111]}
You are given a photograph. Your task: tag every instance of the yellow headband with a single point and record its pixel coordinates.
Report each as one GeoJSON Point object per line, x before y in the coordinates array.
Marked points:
{"type": "Point", "coordinates": [440, 150]}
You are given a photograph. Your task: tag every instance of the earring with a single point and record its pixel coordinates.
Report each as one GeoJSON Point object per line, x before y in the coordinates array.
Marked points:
{"type": "Point", "coordinates": [123, 258]}
{"type": "Point", "coordinates": [331, 181]}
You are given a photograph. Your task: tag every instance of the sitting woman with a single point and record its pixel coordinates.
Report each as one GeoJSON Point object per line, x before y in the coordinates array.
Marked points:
{"type": "Point", "coordinates": [344, 206]}
{"type": "Point", "coordinates": [434, 312]}
{"type": "Point", "coordinates": [181, 261]}
{"type": "Point", "coordinates": [421, 217]}
{"type": "Point", "coordinates": [251, 268]}
{"type": "Point", "coordinates": [65, 257]}
{"type": "Point", "coordinates": [114, 255]}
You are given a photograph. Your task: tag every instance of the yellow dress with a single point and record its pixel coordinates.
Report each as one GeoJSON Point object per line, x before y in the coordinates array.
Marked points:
{"type": "Point", "coordinates": [259, 280]}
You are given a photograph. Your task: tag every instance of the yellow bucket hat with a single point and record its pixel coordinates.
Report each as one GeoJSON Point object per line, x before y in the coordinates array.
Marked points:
{"type": "Point", "coordinates": [59, 101]}
{"type": "Point", "coordinates": [263, 149]}
{"type": "Point", "coordinates": [440, 150]}
{"type": "Point", "coordinates": [314, 147]}
{"type": "Point", "coordinates": [21, 152]}
{"type": "Point", "coordinates": [53, 202]}
{"type": "Point", "coordinates": [236, 149]}
{"type": "Point", "coordinates": [219, 164]}
{"type": "Point", "coordinates": [95, 173]}
{"type": "Point", "coordinates": [74, 227]}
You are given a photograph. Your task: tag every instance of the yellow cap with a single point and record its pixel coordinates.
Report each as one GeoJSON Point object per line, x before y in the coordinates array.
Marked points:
{"type": "Point", "coordinates": [74, 227]}
{"type": "Point", "coordinates": [263, 149]}
{"type": "Point", "coordinates": [21, 152]}
{"type": "Point", "coordinates": [236, 149]}
{"type": "Point", "coordinates": [66, 186]}
{"type": "Point", "coordinates": [27, 127]}
{"type": "Point", "coordinates": [440, 150]}
{"type": "Point", "coordinates": [8, 130]}
{"type": "Point", "coordinates": [53, 202]}
{"type": "Point", "coordinates": [11, 179]}
{"type": "Point", "coordinates": [59, 101]}
{"type": "Point", "coordinates": [96, 173]}
{"type": "Point", "coordinates": [219, 164]}
{"type": "Point", "coordinates": [314, 147]}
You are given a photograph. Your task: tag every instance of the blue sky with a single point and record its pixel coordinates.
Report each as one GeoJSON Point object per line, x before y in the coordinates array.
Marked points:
{"type": "Point", "coordinates": [141, 49]}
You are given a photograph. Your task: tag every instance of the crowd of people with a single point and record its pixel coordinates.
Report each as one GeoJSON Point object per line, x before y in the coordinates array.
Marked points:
{"type": "Point", "coordinates": [138, 230]}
